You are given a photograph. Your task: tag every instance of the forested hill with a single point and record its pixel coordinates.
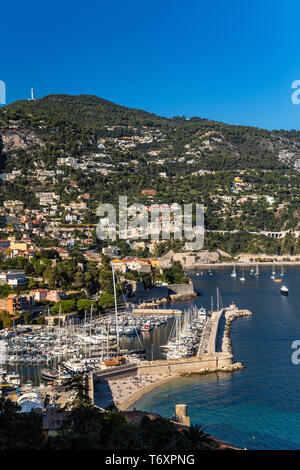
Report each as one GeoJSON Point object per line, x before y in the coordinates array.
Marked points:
{"type": "Point", "coordinates": [84, 146]}
{"type": "Point", "coordinates": [72, 125]}
{"type": "Point", "coordinates": [83, 110]}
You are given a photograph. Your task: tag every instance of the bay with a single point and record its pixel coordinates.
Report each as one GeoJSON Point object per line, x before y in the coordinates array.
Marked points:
{"type": "Point", "coordinates": [258, 407]}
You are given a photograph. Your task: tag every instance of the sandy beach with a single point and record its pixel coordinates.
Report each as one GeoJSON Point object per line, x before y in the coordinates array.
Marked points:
{"type": "Point", "coordinates": [125, 391]}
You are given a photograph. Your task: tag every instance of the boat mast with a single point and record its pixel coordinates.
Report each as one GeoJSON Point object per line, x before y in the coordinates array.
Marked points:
{"type": "Point", "coordinates": [219, 300]}
{"type": "Point", "coordinates": [91, 330]}
{"type": "Point", "coordinates": [116, 308]}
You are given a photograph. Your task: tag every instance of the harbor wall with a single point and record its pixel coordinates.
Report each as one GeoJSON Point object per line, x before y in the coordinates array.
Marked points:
{"type": "Point", "coordinates": [207, 363]}
{"type": "Point", "coordinates": [181, 292]}
{"type": "Point", "coordinates": [191, 365]}
{"type": "Point", "coordinates": [90, 385]}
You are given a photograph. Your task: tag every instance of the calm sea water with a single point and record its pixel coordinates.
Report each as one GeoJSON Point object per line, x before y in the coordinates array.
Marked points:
{"type": "Point", "coordinates": [258, 407]}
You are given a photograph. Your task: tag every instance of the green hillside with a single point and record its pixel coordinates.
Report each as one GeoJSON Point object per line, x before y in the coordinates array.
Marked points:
{"type": "Point", "coordinates": [73, 145]}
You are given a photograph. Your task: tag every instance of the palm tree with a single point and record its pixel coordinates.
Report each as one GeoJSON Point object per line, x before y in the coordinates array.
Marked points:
{"type": "Point", "coordinates": [196, 436]}
{"type": "Point", "coordinates": [76, 384]}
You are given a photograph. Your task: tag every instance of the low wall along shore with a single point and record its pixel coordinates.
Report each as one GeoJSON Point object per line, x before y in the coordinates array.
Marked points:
{"type": "Point", "coordinates": [186, 365]}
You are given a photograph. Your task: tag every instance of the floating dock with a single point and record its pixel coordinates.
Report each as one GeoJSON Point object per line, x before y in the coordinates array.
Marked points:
{"type": "Point", "coordinates": [156, 311]}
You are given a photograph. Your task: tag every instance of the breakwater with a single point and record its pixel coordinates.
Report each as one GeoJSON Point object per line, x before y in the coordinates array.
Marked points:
{"type": "Point", "coordinates": [230, 316]}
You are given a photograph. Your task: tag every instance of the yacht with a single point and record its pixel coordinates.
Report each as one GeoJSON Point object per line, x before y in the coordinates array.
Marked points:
{"type": "Point", "coordinates": [28, 385]}
{"type": "Point", "coordinates": [13, 378]}
{"type": "Point", "coordinates": [284, 290]}
{"type": "Point", "coordinates": [202, 313]}
{"type": "Point", "coordinates": [243, 276]}
{"type": "Point", "coordinates": [30, 401]}
{"type": "Point", "coordinates": [130, 331]}
{"type": "Point", "coordinates": [233, 274]}
{"type": "Point", "coordinates": [76, 365]}
{"type": "Point", "coordinates": [273, 275]}
{"type": "Point", "coordinates": [49, 374]}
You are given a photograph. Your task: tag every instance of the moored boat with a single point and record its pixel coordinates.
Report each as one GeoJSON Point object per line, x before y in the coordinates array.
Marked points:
{"type": "Point", "coordinates": [147, 326]}
{"type": "Point", "coordinates": [284, 290]}
{"type": "Point", "coordinates": [13, 378]}
{"type": "Point", "coordinates": [49, 374]}
{"type": "Point", "coordinates": [30, 401]}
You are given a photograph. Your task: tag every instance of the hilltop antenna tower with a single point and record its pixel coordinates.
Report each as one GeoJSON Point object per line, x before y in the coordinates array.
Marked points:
{"type": "Point", "coordinates": [32, 97]}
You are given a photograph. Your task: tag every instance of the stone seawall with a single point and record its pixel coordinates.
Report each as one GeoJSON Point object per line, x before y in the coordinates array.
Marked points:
{"type": "Point", "coordinates": [90, 385]}
{"type": "Point", "coordinates": [181, 292]}
{"type": "Point", "coordinates": [193, 365]}
{"type": "Point", "coordinates": [230, 316]}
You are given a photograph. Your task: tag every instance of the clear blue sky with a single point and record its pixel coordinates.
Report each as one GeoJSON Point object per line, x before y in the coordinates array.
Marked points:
{"type": "Point", "coordinates": [228, 60]}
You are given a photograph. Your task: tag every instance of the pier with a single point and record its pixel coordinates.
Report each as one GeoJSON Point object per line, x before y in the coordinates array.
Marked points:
{"type": "Point", "coordinates": [156, 311]}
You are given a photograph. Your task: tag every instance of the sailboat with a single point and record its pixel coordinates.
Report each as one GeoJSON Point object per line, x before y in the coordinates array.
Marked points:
{"type": "Point", "coordinates": [219, 300]}
{"type": "Point", "coordinates": [273, 272]}
{"type": "Point", "coordinates": [282, 271]}
{"type": "Point", "coordinates": [256, 271]}
{"type": "Point", "coordinates": [243, 276]}
{"type": "Point", "coordinates": [233, 274]}
{"type": "Point", "coordinates": [278, 279]}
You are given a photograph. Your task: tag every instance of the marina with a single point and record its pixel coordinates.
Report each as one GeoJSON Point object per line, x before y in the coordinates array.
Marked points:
{"type": "Point", "coordinates": [160, 351]}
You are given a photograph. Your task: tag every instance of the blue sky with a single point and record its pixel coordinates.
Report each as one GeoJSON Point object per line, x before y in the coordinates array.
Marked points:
{"type": "Point", "coordinates": [228, 60]}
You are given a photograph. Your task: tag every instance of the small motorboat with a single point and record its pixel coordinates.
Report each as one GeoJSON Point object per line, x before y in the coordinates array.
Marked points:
{"type": "Point", "coordinates": [49, 374]}
{"type": "Point", "coordinates": [284, 290]}
{"type": "Point", "coordinates": [147, 326]}
{"type": "Point", "coordinates": [233, 274]}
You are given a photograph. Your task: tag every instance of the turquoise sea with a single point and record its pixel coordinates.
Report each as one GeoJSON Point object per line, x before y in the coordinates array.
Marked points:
{"type": "Point", "coordinates": [258, 407]}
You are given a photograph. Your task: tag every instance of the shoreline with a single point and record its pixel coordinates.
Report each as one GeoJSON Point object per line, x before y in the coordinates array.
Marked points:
{"type": "Point", "coordinates": [242, 264]}
{"type": "Point", "coordinates": [128, 402]}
